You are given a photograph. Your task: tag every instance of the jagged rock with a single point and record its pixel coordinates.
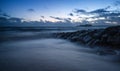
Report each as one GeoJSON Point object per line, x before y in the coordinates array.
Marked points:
{"type": "Point", "coordinates": [109, 37]}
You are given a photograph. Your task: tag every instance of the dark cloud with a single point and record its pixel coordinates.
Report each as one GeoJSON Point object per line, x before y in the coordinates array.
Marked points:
{"type": "Point", "coordinates": [78, 11]}
{"type": "Point", "coordinates": [71, 14]}
{"type": "Point", "coordinates": [2, 14]}
{"type": "Point", "coordinates": [42, 17]}
{"type": "Point", "coordinates": [3, 19]}
{"type": "Point", "coordinates": [108, 7]}
{"type": "Point", "coordinates": [117, 3]}
{"type": "Point", "coordinates": [110, 15]}
{"type": "Point", "coordinates": [99, 11]}
{"type": "Point", "coordinates": [67, 20]}
{"type": "Point", "coordinates": [58, 18]}
{"type": "Point", "coordinates": [100, 16]}
{"type": "Point", "coordinates": [14, 19]}
{"type": "Point", "coordinates": [31, 10]}
{"type": "Point", "coordinates": [115, 18]}
{"type": "Point", "coordinates": [105, 10]}
{"type": "Point", "coordinates": [6, 15]}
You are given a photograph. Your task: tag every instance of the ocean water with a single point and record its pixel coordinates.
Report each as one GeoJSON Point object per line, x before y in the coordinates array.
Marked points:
{"type": "Point", "coordinates": [39, 51]}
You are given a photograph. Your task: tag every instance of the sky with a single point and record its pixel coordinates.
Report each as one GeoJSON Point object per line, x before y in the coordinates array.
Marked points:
{"type": "Point", "coordinates": [43, 9]}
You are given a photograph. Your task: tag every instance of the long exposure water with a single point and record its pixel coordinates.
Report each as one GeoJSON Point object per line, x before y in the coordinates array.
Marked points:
{"type": "Point", "coordinates": [50, 54]}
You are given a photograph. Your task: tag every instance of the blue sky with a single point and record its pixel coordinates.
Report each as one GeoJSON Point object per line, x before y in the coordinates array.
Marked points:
{"type": "Point", "coordinates": [34, 9]}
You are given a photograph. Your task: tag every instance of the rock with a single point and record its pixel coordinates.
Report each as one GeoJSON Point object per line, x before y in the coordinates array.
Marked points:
{"type": "Point", "coordinates": [109, 37]}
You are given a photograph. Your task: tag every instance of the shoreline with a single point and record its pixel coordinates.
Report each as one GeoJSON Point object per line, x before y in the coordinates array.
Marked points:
{"type": "Point", "coordinates": [105, 41]}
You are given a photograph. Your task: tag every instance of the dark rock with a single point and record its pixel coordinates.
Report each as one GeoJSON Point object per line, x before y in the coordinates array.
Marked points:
{"type": "Point", "coordinates": [109, 37]}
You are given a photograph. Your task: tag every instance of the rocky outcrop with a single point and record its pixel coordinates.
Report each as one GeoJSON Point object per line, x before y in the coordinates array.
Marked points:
{"type": "Point", "coordinates": [109, 37]}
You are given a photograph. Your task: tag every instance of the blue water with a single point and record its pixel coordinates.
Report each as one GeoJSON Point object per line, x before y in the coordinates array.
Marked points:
{"type": "Point", "coordinates": [39, 51]}
{"type": "Point", "coordinates": [51, 55]}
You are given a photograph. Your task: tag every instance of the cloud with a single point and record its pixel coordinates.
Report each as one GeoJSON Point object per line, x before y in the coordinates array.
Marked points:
{"type": "Point", "coordinates": [6, 15]}
{"type": "Point", "coordinates": [3, 14]}
{"type": "Point", "coordinates": [42, 16]}
{"type": "Point", "coordinates": [67, 20]}
{"type": "Point", "coordinates": [110, 15]}
{"type": "Point", "coordinates": [3, 19]}
{"type": "Point", "coordinates": [106, 13]}
{"type": "Point", "coordinates": [30, 10]}
{"type": "Point", "coordinates": [99, 16]}
{"type": "Point", "coordinates": [79, 11]}
{"type": "Point", "coordinates": [99, 11]}
{"type": "Point", "coordinates": [108, 7]}
{"type": "Point", "coordinates": [58, 18]}
{"type": "Point", "coordinates": [11, 21]}
{"type": "Point", "coordinates": [16, 20]}
{"type": "Point", "coordinates": [117, 3]}
{"type": "Point", "coordinates": [71, 14]}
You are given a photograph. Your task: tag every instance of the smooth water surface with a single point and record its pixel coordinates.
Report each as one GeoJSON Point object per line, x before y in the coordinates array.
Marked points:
{"type": "Point", "coordinates": [51, 55]}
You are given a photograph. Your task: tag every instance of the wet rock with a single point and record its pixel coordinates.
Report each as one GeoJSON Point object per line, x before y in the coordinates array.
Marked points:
{"type": "Point", "coordinates": [109, 37]}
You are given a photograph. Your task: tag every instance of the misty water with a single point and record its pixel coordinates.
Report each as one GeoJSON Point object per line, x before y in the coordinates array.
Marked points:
{"type": "Point", "coordinates": [50, 54]}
